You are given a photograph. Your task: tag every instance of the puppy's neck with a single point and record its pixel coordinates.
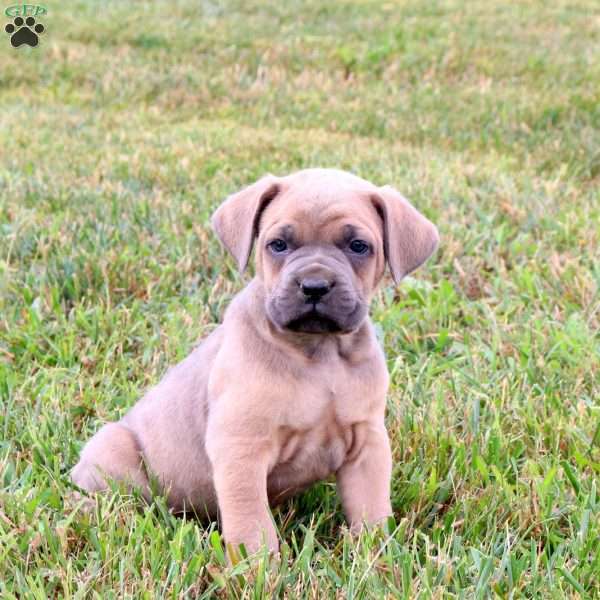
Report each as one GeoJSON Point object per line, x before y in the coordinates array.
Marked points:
{"type": "Point", "coordinates": [311, 346]}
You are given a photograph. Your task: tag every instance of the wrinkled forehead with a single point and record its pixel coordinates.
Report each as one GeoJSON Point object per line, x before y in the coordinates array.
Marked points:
{"type": "Point", "coordinates": [320, 214]}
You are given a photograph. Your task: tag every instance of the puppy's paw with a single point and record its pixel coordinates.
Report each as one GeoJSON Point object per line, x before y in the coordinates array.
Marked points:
{"type": "Point", "coordinates": [383, 522]}
{"type": "Point", "coordinates": [76, 501]}
{"type": "Point", "coordinates": [238, 550]}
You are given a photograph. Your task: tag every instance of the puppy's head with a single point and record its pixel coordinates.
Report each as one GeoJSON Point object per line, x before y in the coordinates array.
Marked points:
{"type": "Point", "coordinates": [323, 239]}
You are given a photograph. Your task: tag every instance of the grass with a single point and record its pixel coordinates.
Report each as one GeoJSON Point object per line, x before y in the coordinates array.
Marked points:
{"type": "Point", "coordinates": [128, 125]}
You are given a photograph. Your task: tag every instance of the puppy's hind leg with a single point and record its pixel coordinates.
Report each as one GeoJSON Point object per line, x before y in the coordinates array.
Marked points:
{"type": "Point", "coordinates": [112, 454]}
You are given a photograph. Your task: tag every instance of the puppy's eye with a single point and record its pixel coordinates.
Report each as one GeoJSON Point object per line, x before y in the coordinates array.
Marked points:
{"type": "Point", "coordinates": [359, 246]}
{"type": "Point", "coordinates": [277, 246]}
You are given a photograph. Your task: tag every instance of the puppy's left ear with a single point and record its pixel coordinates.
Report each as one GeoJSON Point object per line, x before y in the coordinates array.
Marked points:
{"type": "Point", "coordinates": [236, 220]}
{"type": "Point", "coordinates": [409, 238]}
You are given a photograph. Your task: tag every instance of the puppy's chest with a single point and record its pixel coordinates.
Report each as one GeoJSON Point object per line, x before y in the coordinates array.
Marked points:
{"type": "Point", "coordinates": [306, 456]}
{"type": "Point", "coordinates": [322, 423]}
{"type": "Point", "coordinates": [331, 400]}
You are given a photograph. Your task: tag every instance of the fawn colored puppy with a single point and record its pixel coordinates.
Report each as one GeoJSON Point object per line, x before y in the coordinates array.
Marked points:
{"type": "Point", "coordinates": [291, 387]}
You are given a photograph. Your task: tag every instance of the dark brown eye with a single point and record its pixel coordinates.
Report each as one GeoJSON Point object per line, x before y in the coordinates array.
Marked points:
{"type": "Point", "coordinates": [359, 246]}
{"type": "Point", "coordinates": [277, 246]}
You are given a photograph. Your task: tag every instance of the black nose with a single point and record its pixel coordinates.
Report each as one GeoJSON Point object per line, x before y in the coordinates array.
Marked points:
{"type": "Point", "coordinates": [314, 289]}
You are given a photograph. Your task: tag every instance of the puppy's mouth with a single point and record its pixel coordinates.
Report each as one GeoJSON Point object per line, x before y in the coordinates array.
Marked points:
{"type": "Point", "coordinates": [314, 322]}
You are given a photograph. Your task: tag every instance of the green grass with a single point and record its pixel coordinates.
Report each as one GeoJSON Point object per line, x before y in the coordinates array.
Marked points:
{"type": "Point", "coordinates": [132, 121]}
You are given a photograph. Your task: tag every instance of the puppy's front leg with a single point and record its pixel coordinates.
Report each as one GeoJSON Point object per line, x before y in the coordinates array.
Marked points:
{"type": "Point", "coordinates": [364, 481]}
{"type": "Point", "coordinates": [240, 480]}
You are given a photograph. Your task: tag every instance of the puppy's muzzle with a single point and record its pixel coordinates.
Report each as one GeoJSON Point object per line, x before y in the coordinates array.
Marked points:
{"type": "Point", "coordinates": [315, 294]}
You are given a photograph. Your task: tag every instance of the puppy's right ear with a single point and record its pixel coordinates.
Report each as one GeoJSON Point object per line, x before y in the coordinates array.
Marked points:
{"type": "Point", "coordinates": [236, 220]}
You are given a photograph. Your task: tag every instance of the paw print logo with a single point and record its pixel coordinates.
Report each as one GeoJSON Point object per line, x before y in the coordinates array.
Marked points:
{"type": "Point", "coordinates": [24, 31]}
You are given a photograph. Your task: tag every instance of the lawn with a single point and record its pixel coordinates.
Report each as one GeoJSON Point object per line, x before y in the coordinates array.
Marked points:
{"type": "Point", "coordinates": [126, 127]}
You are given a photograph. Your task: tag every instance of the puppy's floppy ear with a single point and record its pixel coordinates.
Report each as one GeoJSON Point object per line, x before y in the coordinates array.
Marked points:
{"type": "Point", "coordinates": [236, 220]}
{"type": "Point", "coordinates": [409, 239]}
